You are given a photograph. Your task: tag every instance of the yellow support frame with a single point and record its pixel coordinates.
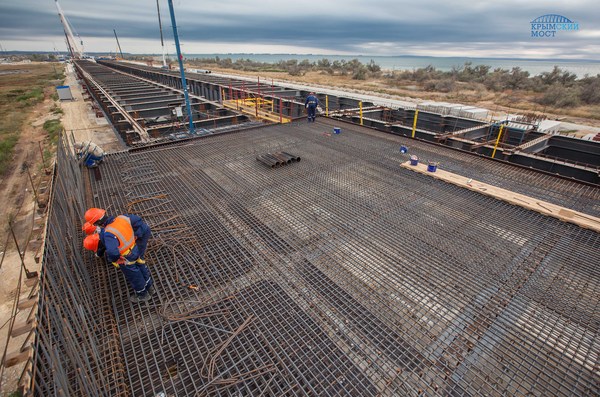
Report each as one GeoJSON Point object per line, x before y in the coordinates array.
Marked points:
{"type": "Point", "coordinates": [415, 123]}
{"type": "Point", "coordinates": [360, 112]}
{"type": "Point", "coordinates": [259, 108]}
{"type": "Point", "coordinates": [498, 140]}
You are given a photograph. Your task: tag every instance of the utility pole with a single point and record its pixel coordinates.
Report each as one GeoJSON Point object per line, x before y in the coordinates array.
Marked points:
{"type": "Point", "coordinates": [181, 70]}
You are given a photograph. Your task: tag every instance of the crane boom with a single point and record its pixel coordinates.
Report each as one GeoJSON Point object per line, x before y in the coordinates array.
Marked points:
{"type": "Point", "coordinates": [76, 52]}
{"type": "Point", "coordinates": [118, 45]}
{"type": "Point", "coordinates": [162, 42]}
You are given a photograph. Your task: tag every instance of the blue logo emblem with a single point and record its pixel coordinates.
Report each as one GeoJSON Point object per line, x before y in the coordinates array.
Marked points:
{"type": "Point", "coordinates": [548, 25]}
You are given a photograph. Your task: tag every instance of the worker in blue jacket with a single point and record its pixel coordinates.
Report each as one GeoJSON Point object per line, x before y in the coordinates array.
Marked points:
{"type": "Point", "coordinates": [123, 239]}
{"type": "Point", "coordinates": [99, 217]}
{"type": "Point", "coordinates": [311, 104]}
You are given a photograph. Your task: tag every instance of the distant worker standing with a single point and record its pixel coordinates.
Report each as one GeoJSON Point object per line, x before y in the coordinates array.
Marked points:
{"type": "Point", "coordinates": [311, 104]}
{"type": "Point", "coordinates": [124, 240]}
{"type": "Point", "coordinates": [89, 154]}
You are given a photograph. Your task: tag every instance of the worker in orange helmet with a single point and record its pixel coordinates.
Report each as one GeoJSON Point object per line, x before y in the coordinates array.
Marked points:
{"type": "Point", "coordinates": [89, 228]}
{"type": "Point", "coordinates": [98, 217]}
{"type": "Point", "coordinates": [92, 242]}
{"type": "Point", "coordinates": [117, 240]}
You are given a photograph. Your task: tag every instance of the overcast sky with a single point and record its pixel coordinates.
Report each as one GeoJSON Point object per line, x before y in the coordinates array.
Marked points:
{"type": "Point", "coordinates": [346, 27]}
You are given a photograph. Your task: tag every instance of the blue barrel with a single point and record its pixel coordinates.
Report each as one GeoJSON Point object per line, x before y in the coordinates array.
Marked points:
{"type": "Point", "coordinates": [414, 160]}
{"type": "Point", "coordinates": [403, 149]}
{"type": "Point", "coordinates": [337, 130]}
{"type": "Point", "coordinates": [432, 166]}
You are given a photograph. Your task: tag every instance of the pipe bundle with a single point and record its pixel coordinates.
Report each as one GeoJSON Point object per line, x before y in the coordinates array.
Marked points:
{"type": "Point", "coordinates": [277, 159]}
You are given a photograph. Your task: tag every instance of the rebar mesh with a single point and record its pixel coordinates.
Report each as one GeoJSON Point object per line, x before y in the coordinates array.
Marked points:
{"type": "Point", "coordinates": [347, 275]}
{"type": "Point", "coordinates": [76, 347]}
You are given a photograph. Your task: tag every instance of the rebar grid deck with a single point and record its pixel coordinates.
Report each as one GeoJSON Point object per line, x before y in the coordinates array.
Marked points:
{"type": "Point", "coordinates": [347, 275]}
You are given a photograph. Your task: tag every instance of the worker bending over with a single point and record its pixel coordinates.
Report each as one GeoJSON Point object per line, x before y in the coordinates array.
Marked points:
{"type": "Point", "coordinates": [123, 239]}
{"type": "Point", "coordinates": [311, 104]}
{"type": "Point", "coordinates": [89, 154]}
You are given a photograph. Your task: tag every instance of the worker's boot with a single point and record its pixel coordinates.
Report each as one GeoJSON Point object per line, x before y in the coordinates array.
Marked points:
{"type": "Point", "coordinates": [151, 291]}
{"type": "Point", "coordinates": [135, 298]}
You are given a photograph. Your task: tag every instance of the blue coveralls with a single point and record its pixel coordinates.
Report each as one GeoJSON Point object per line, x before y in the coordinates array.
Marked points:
{"type": "Point", "coordinates": [137, 274]}
{"type": "Point", "coordinates": [91, 160]}
{"type": "Point", "coordinates": [311, 104]}
{"type": "Point", "coordinates": [142, 233]}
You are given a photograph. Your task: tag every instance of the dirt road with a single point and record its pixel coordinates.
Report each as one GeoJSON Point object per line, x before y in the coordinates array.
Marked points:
{"type": "Point", "coordinates": [81, 120]}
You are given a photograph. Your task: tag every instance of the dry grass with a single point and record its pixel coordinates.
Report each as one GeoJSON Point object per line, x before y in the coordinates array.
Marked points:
{"type": "Point", "coordinates": [21, 88]}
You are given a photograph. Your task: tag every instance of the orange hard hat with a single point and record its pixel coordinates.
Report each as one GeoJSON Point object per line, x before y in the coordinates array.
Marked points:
{"type": "Point", "coordinates": [93, 215]}
{"type": "Point", "coordinates": [91, 242]}
{"type": "Point", "coordinates": [88, 228]}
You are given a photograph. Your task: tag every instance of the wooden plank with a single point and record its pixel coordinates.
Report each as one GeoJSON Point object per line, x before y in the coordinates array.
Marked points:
{"type": "Point", "coordinates": [15, 358]}
{"type": "Point", "coordinates": [530, 203]}
{"type": "Point", "coordinates": [31, 282]}
{"type": "Point", "coordinates": [23, 328]}
{"type": "Point", "coordinates": [26, 303]}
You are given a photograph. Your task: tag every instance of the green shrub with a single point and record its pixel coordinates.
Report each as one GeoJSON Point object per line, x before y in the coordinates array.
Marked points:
{"type": "Point", "coordinates": [360, 73]}
{"type": "Point", "coordinates": [31, 97]}
{"type": "Point", "coordinates": [7, 143]}
{"type": "Point", "coordinates": [53, 127]}
{"type": "Point", "coordinates": [560, 96]}
{"type": "Point", "coordinates": [590, 90]}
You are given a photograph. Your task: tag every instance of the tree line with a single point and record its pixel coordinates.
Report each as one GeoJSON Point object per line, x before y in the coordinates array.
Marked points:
{"type": "Point", "coordinates": [558, 88]}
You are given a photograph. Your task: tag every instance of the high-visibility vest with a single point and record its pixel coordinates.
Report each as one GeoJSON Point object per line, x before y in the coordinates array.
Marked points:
{"type": "Point", "coordinates": [122, 230]}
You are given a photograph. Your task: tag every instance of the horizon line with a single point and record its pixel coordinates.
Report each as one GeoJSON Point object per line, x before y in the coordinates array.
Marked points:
{"type": "Point", "coordinates": [12, 52]}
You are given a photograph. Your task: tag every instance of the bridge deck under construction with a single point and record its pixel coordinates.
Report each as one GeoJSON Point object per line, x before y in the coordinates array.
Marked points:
{"type": "Point", "coordinates": [339, 275]}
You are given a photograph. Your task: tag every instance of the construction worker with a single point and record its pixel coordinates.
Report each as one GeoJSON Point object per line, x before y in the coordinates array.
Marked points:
{"type": "Point", "coordinates": [98, 217]}
{"type": "Point", "coordinates": [311, 104]}
{"type": "Point", "coordinates": [89, 154]}
{"type": "Point", "coordinates": [117, 240]}
{"type": "Point", "coordinates": [89, 228]}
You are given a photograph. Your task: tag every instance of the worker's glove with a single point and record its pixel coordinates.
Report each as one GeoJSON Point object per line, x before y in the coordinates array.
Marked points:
{"type": "Point", "coordinates": [119, 262]}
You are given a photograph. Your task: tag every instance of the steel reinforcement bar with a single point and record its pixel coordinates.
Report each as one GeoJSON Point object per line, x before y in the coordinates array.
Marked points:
{"type": "Point", "coordinates": [347, 275]}
{"type": "Point", "coordinates": [76, 345]}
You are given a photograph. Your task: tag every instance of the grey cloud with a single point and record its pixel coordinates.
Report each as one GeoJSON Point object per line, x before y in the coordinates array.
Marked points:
{"type": "Point", "coordinates": [343, 29]}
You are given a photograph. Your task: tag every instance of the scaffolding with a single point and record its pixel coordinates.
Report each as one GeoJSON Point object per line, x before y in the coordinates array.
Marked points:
{"type": "Point", "coordinates": [267, 108]}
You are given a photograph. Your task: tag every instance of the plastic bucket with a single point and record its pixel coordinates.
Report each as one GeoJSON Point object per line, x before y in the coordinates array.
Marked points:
{"type": "Point", "coordinates": [337, 130]}
{"type": "Point", "coordinates": [403, 149]}
{"type": "Point", "coordinates": [432, 166]}
{"type": "Point", "coordinates": [414, 160]}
